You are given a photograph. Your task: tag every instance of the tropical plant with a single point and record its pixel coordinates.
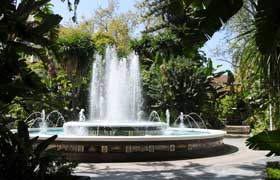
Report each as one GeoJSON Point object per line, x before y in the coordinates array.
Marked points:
{"type": "Point", "coordinates": [27, 28]}
{"type": "Point", "coordinates": [257, 54]}
{"type": "Point", "coordinates": [257, 100]}
{"type": "Point", "coordinates": [25, 158]}
{"type": "Point", "coordinates": [266, 140]}
{"type": "Point", "coordinates": [180, 85]}
{"type": "Point", "coordinates": [268, 42]}
{"type": "Point", "coordinates": [233, 109]}
{"type": "Point", "coordinates": [20, 34]}
{"type": "Point", "coordinates": [76, 52]}
{"type": "Point", "coordinates": [192, 23]}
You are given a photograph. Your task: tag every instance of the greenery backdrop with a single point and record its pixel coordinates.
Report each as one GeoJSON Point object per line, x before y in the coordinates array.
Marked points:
{"type": "Point", "coordinates": [176, 74]}
{"type": "Point", "coordinates": [44, 65]}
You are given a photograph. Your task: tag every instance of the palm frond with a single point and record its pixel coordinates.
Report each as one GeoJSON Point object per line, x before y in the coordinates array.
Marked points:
{"type": "Point", "coordinates": [267, 140]}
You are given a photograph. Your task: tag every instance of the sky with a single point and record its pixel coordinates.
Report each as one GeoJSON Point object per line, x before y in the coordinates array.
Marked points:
{"type": "Point", "coordinates": [86, 8]}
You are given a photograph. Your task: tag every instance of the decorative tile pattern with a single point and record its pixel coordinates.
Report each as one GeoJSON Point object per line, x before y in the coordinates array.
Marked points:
{"type": "Point", "coordinates": [151, 148]}
{"type": "Point", "coordinates": [162, 148]}
{"type": "Point", "coordinates": [172, 148]}
{"type": "Point", "coordinates": [104, 149]}
{"type": "Point", "coordinates": [97, 147]}
{"type": "Point", "coordinates": [116, 148]}
{"type": "Point", "coordinates": [80, 148]}
{"type": "Point", "coordinates": [181, 147]}
{"type": "Point", "coordinates": [92, 148]}
{"type": "Point", "coordinates": [128, 149]}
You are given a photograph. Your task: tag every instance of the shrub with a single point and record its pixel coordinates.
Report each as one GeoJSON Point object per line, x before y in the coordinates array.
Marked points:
{"type": "Point", "coordinates": [181, 85]}
{"type": "Point", "coordinates": [25, 158]}
{"type": "Point", "coordinates": [273, 170]}
{"type": "Point", "coordinates": [232, 108]}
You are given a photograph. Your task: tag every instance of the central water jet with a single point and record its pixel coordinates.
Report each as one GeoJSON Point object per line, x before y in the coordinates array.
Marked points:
{"type": "Point", "coordinates": [115, 94]}
{"type": "Point", "coordinates": [115, 100]}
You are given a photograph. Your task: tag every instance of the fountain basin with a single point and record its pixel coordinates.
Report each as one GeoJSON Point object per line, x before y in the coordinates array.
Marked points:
{"type": "Point", "coordinates": [175, 143]}
{"type": "Point", "coordinates": [99, 128]}
{"type": "Point", "coordinates": [128, 124]}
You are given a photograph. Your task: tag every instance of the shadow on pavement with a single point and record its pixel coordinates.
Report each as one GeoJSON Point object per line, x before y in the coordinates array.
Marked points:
{"type": "Point", "coordinates": [192, 171]}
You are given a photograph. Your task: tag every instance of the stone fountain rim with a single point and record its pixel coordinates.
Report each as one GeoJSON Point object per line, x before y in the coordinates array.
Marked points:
{"type": "Point", "coordinates": [211, 133]}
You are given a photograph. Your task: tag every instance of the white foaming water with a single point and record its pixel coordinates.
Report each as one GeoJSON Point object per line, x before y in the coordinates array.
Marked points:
{"type": "Point", "coordinates": [135, 84]}
{"type": "Point", "coordinates": [43, 125]}
{"type": "Point", "coordinates": [181, 117]}
{"type": "Point", "coordinates": [95, 89]}
{"type": "Point", "coordinates": [82, 116]}
{"type": "Point", "coordinates": [115, 94]}
{"type": "Point", "coordinates": [167, 114]}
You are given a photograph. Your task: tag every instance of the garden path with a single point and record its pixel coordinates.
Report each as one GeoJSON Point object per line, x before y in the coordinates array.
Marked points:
{"type": "Point", "coordinates": [241, 164]}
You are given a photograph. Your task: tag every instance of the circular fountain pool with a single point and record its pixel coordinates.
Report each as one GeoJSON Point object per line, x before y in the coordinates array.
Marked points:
{"type": "Point", "coordinates": [172, 143]}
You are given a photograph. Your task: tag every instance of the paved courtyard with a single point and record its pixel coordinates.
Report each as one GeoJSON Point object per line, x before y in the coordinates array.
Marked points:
{"type": "Point", "coordinates": [242, 163]}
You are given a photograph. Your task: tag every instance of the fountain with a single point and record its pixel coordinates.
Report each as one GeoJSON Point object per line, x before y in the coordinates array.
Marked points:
{"type": "Point", "coordinates": [115, 99]}
{"type": "Point", "coordinates": [43, 122]}
{"type": "Point", "coordinates": [82, 116]}
{"type": "Point", "coordinates": [114, 129]}
{"type": "Point", "coordinates": [167, 114]}
{"type": "Point", "coordinates": [191, 120]}
{"type": "Point", "coordinates": [43, 125]}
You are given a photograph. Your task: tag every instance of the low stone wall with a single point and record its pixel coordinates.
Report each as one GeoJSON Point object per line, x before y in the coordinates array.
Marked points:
{"type": "Point", "coordinates": [96, 151]}
{"type": "Point", "coordinates": [237, 129]}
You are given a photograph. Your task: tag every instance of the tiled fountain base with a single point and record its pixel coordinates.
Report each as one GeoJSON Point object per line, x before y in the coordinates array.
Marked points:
{"type": "Point", "coordinates": [90, 151]}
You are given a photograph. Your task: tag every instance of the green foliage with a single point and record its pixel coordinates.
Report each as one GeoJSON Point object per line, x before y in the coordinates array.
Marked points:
{"type": "Point", "coordinates": [273, 173]}
{"type": "Point", "coordinates": [179, 29]}
{"type": "Point", "coordinates": [101, 41]}
{"type": "Point", "coordinates": [28, 28]}
{"type": "Point", "coordinates": [256, 97]}
{"type": "Point", "coordinates": [228, 104]}
{"type": "Point", "coordinates": [180, 85]}
{"type": "Point", "coordinates": [16, 79]}
{"type": "Point", "coordinates": [25, 158]}
{"type": "Point", "coordinates": [119, 29]}
{"type": "Point", "coordinates": [267, 40]}
{"type": "Point", "coordinates": [273, 170]}
{"type": "Point", "coordinates": [76, 52]}
{"type": "Point", "coordinates": [17, 38]}
{"type": "Point", "coordinates": [165, 45]}
{"type": "Point", "coordinates": [233, 109]}
{"type": "Point", "coordinates": [257, 53]}
{"type": "Point", "coordinates": [58, 97]}
{"type": "Point", "coordinates": [110, 28]}
{"type": "Point", "coordinates": [266, 140]}
{"type": "Point", "coordinates": [267, 23]}
{"type": "Point", "coordinates": [192, 23]}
